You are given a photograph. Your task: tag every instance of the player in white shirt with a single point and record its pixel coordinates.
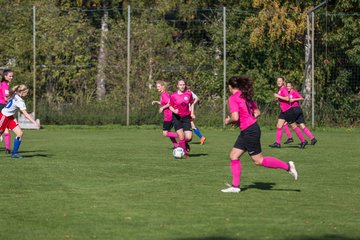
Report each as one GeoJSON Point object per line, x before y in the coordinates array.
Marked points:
{"type": "Point", "coordinates": [7, 120]}
{"type": "Point", "coordinates": [196, 130]}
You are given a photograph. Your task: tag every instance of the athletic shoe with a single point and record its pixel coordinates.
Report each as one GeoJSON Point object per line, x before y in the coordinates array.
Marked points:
{"type": "Point", "coordinates": [275, 145]}
{"type": "Point", "coordinates": [290, 140]}
{"type": "Point", "coordinates": [292, 170]}
{"type": "Point", "coordinates": [187, 147]}
{"type": "Point", "coordinates": [231, 190]}
{"type": "Point", "coordinates": [7, 151]}
{"type": "Point", "coordinates": [313, 141]}
{"type": "Point", "coordinates": [202, 140]}
{"type": "Point", "coordinates": [303, 144]}
{"type": "Point", "coordinates": [16, 155]}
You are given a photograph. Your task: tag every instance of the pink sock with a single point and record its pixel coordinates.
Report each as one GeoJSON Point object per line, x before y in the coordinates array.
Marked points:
{"type": "Point", "coordinates": [271, 162]}
{"type": "Point", "coordinates": [287, 131]}
{"type": "Point", "coordinates": [7, 138]}
{"type": "Point", "coordinates": [182, 145]}
{"type": "Point", "coordinates": [172, 134]}
{"type": "Point", "coordinates": [299, 134]}
{"type": "Point", "coordinates": [236, 168]}
{"type": "Point", "coordinates": [278, 135]}
{"type": "Point", "coordinates": [308, 133]}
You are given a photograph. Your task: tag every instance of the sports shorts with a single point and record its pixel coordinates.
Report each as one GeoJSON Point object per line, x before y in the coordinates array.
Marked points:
{"type": "Point", "coordinates": [181, 122]}
{"type": "Point", "coordinates": [299, 115]}
{"type": "Point", "coordinates": [7, 122]}
{"type": "Point", "coordinates": [167, 125]}
{"type": "Point", "coordinates": [249, 140]}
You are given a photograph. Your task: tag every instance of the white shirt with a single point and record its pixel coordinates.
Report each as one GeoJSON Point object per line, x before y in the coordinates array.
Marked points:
{"type": "Point", "coordinates": [13, 105]}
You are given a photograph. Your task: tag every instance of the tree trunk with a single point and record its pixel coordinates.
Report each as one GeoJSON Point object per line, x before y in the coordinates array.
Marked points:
{"type": "Point", "coordinates": [101, 76]}
{"type": "Point", "coordinates": [306, 91]}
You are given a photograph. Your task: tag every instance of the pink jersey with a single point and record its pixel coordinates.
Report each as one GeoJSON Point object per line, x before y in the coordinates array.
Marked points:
{"type": "Point", "coordinates": [284, 105]}
{"type": "Point", "coordinates": [164, 99]}
{"type": "Point", "coordinates": [181, 101]}
{"type": "Point", "coordinates": [4, 91]}
{"type": "Point", "coordinates": [294, 94]}
{"type": "Point", "coordinates": [244, 108]}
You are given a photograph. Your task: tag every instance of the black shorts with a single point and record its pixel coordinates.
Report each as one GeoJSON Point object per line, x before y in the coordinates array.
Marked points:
{"type": "Point", "coordinates": [167, 126]}
{"type": "Point", "coordinates": [281, 115]}
{"type": "Point", "coordinates": [2, 106]}
{"type": "Point", "coordinates": [299, 115]}
{"type": "Point", "coordinates": [249, 140]}
{"type": "Point", "coordinates": [181, 122]}
{"type": "Point", "coordinates": [290, 116]}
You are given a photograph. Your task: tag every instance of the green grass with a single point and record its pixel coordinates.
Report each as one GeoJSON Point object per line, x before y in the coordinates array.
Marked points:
{"type": "Point", "coordinates": [119, 183]}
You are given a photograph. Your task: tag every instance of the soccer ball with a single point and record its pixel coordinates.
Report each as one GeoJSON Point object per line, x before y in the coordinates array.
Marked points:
{"type": "Point", "coordinates": [178, 152]}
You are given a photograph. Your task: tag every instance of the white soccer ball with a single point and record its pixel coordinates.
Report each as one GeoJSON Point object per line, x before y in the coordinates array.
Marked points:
{"type": "Point", "coordinates": [178, 152]}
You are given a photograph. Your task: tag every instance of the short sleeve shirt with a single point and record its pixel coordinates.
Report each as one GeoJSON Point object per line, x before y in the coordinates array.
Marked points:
{"type": "Point", "coordinates": [245, 109]}
{"type": "Point", "coordinates": [181, 101]}
{"type": "Point", "coordinates": [284, 105]}
{"type": "Point", "coordinates": [294, 94]}
{"type": "Point", "coordinates": [164, 99]}
{"type": "Point", "coordinates": [4, 91]}
{"type": "Point", "coordinates": [13, 105]}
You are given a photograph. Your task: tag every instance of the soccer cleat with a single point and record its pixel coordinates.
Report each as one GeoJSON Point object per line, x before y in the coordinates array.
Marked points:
{"type": "Point", "coordinates": [16, 155]}
{"type": "Point", "coordinates": [231, 189]}
{"type": "Point", "coordinates": [187, 147]}
{"type": "Point", "coordinates": [7, 151]}
{"type": "Point", "coordinates": [292, 170]}
{"type": "Point", "coordinates": [303, 144]}
{"type": "Point", "coordinates": [275, 145]}
{"type": "Point", "coordinates": [289, 140]}
{"type": "Point", "coordinates": [202, 140]}
{"type": "Point", "coordinates": [313, 141]}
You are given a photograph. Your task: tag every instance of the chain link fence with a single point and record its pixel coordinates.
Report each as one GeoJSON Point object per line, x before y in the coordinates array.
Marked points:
{"type": "Point", "coordinates": [83, 76]}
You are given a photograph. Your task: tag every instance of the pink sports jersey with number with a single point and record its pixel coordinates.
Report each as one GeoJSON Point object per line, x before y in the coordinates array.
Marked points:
{"type": "Point", "coordinates": [164, 99]}
{"type": "Point", "coordinates": [244, 108]}
{"type": "Point", "coordinates": [284, 105]}
{"type": "Point", "coordinates": [181, 101]}
{"type": "Point", "coordinates": [294, 94]}
{"type": "Point", "coordinates": [4, 91]}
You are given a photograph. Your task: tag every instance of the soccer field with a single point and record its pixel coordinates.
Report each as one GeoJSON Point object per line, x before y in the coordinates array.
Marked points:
{"type": "Point", "coordinates": [119, 183]}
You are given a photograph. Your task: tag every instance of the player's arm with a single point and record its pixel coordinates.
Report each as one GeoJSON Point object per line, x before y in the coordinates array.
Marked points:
{"type": "Point", "coordinates": [284, 98]}
{"type": "Point", "coordinates": [164, 107]}
{"type": "Point", "coordinates": [233, 118]}
{"type": "Point", "coordinates": [155, 102]}
{"type": "Point", "coordinates": [257, 113]}
{"type": "Point", "coordinates": [28, 116]}
{"type": "Point", "coordinates": [297, 99]}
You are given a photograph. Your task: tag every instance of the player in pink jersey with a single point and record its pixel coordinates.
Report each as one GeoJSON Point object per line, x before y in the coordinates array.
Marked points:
{"type": "Point", "coordinates": [286, 115]}
{"type": "Point", "coordinates": [295, 97]}
{"type": "Point", "coordinates": [4, 94]}
{"type": "Point", "coordinates": [164, 102]}
{"type": "Point", "coordinates": [194, 128]}
{"type": "Point", "coordinates": [243, 112]}
{"type": "Point", "coordinates": [180, 105]}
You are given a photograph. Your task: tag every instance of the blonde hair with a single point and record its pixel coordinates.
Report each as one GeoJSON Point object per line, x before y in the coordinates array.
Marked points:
{"type": "Point", "coordinates": [17, 89]}
{"type": "Point", "coordinates": [162, 83]}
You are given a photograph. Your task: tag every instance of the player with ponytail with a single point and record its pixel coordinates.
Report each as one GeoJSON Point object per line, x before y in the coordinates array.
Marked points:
{"type": "Point", "coordinates": [243, 112]}
{"type": "Point", "coordinates": [7, 120]}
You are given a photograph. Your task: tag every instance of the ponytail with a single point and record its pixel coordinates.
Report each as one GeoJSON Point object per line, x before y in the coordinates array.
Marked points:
{"type": "Point", "coordinates": [244, 84]}
{"type": "Point", "coordinates": [17, 89]}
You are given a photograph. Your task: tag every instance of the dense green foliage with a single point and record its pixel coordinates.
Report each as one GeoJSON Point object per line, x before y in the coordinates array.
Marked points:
{"type": "Point", "coordinates": [117, 183]}
{"type": "Point", "coordinates": [178, 39]}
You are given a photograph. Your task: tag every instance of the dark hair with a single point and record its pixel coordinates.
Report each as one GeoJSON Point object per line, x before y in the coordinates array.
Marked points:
{"type": "Point", "coordinates": [244, 84]}
{"type": "Point", "coordinates": [5, 72]}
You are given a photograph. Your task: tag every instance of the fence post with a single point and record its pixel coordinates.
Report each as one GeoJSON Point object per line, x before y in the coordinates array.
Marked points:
{"type": "Point", "coordinates": [224, 52]}
{"type": "Point", "coordinates": [34, 60]}
{"type": "Point", "coordinates": [128, 70]}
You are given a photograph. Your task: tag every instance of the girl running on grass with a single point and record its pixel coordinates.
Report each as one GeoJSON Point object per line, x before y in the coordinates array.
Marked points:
{"type": "Point", "coordinates": [193, 127]}
{"type": "Point", "coordinates": [286, 115]}
{"type": "Point", "coordinates": [180, 105]}
{"type": "Point", "coordinates": [164, 102]}
{"type": "Point", "coordinates": [243, 112]}
{"type": "Point", "coordinates": [7, 119]}
{"type": "Point", "coordinates": [6, 79]}
{"type": "Point", "coordinates": [295, 97]}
